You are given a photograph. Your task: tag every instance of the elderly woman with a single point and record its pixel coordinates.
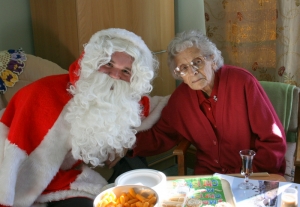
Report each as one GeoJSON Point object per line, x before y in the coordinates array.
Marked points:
{"type": "Point", "coordinates": [221, 109]}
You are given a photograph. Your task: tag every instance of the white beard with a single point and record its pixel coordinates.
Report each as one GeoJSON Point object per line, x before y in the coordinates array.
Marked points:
{"type": "Point", "coordinates": [102, 115]}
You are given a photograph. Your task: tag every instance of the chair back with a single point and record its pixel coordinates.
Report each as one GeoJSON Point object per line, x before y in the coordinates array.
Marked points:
{"type": "Point", "coordinates": [285, 100]}
{"type": "Point", "coordinates": [21, 70]}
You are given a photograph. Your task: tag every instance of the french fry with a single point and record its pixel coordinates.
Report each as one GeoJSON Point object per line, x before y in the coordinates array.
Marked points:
{"type": "Point", "coordinates": [139, 204]}
{"type": "Point", "coordinates": [132, 201]}
{"type": "Point", "coordinates": [150, 195]}
{"type": "Point", "coordinates": [122, 200]}
{"type": "Point", "coordinates": [132, 192]}
{"type": "Point", "coordinates": [152, 200]}
{"type": "Point", "coordinates": [146, 204]}
{"type": "Point", "coordinates": [102, 203]}
{"type": "Point", "coordinates": [140, 197]}
{"type": "Point", "coordinates": [111, 204]}
{"type": "Point", "coordinates": [129, 196]}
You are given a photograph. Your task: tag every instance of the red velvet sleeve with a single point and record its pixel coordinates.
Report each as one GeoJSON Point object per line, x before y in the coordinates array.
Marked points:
{"type": "Point", "coordinates": [160, 138]}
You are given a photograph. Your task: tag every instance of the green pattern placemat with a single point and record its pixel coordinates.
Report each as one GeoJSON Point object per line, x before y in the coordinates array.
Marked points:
{"type": "Point", "coordinates": [194, 192]}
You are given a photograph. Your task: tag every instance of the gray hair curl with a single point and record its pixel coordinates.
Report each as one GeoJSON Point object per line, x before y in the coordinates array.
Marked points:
{"type": "Point", "coordinates": [192, 38]}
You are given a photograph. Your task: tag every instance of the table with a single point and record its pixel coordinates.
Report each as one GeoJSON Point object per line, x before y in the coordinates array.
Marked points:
{"type": "Point", "coordinates": [267, 188]}
{"type": "Point", "coordinates": [261, 176]}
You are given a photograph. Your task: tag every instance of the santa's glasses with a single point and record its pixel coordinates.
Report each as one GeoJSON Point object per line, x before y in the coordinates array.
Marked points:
{"type": "Point", "coordinates": [195, 65]}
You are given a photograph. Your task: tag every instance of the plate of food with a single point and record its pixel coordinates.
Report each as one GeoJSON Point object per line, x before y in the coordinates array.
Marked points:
{"type": "Point", "coordinates": [127, 195]}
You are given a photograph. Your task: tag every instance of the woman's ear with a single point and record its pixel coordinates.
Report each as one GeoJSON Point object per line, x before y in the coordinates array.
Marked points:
{"type": "Point", "coordinates": [214, 65]}
{"type": "Point", "coordinates": [213, 62]}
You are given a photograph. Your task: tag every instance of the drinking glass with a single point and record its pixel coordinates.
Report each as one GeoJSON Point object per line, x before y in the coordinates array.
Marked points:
{"type": "Point", "coordinates": [247, 156]}
{"type": "Point", "coordinates": [289, 197]}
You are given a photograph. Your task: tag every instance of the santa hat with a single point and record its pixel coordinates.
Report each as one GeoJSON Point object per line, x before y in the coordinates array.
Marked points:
{"type": "Point", "coordinates": [125, 35]}
{"type": "Point", "coordinates": [147, 62]}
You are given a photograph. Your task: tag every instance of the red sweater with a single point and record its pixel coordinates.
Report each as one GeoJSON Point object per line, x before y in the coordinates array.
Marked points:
{"type": "Point", "coordinates": [245, 118]}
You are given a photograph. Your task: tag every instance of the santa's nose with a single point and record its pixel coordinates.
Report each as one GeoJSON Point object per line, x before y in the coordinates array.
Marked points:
{"type": "Point", "coordinates": [114, 73]}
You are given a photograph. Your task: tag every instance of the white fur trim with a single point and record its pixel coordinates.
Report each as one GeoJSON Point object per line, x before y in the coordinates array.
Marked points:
{"type": "Point", "coordinates": [93, 181]}
{"type": "Point", "coordinates": [42, 164]}
{"type": "Point", "coordinates": [126, 35]}
{"type": "Point", "coordinates": [63, 194]}
{"type": "Point", "coordinates": [10, 164]}
{"type": "Point", "coordinates": [3, 136]}
{"type": "Point", "coordinates": [23, 178]}
{"type": "Point", "coordinates": [88, 184]}
{"type": "Point", "coordinates": [157, 103]}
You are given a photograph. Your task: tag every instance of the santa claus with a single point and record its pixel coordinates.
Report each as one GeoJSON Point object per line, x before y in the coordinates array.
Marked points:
{"type": "Point", "coordinates": [55, 126]}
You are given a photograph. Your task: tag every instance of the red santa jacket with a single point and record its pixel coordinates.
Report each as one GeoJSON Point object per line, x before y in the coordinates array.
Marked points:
{"type": "Point", "coordinates": [36, 164]}
{"type": "Point", "coordinates": [35, 148]}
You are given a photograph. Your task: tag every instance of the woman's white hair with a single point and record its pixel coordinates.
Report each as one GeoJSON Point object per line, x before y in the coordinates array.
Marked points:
{"type": "Point", "coordinates": [103, 44]}
{"type": "Point", "coordinates": [193, 38]}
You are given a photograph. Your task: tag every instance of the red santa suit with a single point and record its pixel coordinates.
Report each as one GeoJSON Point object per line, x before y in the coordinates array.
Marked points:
{"type": "Point", "coordinates": [25, 177]}
{"type": "Point", "coordinates": [245, 119]}
{"type": "Point", "coordinates": [36, 161]}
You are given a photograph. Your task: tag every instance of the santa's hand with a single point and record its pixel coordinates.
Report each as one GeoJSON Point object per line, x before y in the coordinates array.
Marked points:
{"type": "Point", "coordinates": [111, 163]}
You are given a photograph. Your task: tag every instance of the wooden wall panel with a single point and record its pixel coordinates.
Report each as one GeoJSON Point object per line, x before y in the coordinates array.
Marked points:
{"type": "Point", "coordinates": [55, 30]}
{"type": "Point", "coordinates": [61, 28]}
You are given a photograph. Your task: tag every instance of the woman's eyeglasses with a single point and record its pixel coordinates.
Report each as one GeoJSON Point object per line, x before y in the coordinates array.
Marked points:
{"type": "Point", "coordinates": [196, 64]}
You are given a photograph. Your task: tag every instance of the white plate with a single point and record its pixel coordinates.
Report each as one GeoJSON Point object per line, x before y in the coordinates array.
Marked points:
{"type": "Point", "coordinates": [147, 177]}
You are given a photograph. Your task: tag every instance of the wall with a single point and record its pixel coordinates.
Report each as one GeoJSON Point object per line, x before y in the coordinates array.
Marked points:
{"type": "Point", "coordinates": [15, 25]}
{"type": "Point", "coordinates": [189, 14]}
{"type": "Point", "coordinates": [16, 29]}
